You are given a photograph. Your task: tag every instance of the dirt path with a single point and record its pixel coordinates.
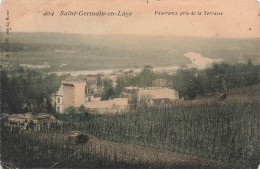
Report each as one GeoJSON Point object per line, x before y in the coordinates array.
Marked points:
{"type": "Point", "coordinates": [125, 151]}
{"type": "Point", "coordinates": [153, 155]}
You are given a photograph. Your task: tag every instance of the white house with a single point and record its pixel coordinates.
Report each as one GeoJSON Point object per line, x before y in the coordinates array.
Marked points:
{"type": "Point", "coordinates": [75, 93]}
{"type": "Point", "coordinates": [159, 103]}
{"type": "Point", "coordinates": [156, 93]}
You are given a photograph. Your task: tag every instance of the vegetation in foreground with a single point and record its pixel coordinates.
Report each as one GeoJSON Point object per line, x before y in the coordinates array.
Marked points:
{"type": "Point", "coordinates": [219, 130]}
{"type": "Point", "coordinates": [29, 150]}
{"type": "Point", "coordinates": [222, 130]}
{"type": "Point", "coordinates": [73, 115]}
{"type": "Point", "coordinates": [25, 91]}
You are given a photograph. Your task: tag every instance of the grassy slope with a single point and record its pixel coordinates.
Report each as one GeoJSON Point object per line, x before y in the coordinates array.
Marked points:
{"type": "Point", "coordinates": [224, 130]}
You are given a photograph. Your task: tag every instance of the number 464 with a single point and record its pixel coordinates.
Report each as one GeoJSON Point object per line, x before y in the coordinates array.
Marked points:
{"type": "Point", "coordinates": [48, 14]}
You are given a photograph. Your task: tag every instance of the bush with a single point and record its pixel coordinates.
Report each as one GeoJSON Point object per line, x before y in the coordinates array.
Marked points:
{"type": "Point", "coordinates": [75, 115]}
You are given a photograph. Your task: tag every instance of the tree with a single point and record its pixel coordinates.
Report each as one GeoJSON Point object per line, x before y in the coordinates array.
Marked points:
{"type": "Point", "coordinates": [141, 105]}
{"type": "Point", "coordinates": [99, 82]}
{"type": "Point", "coordinates": [249, 62]}
{"type": "Point", "coordinates": [27, 90]}
{"type": "Point", "coordinates": [146, 77]}
{"type": "Point", "coordinates": [218, 78]}
{"type": "Point", "coordinates": [215, 76]}
{"type": "Point", "coordinates": [108, 90]}
{"type": "Point", "coordinates": [186, 83]}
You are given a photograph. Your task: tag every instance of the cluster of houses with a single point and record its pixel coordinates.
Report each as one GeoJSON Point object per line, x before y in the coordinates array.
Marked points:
{"type": "Point", "coordinates": [84, 91]}
{"type": "Point", "coordinates": [27, 121]}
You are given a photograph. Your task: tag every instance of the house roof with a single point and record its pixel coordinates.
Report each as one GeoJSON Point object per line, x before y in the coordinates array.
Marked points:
{"type": "Point", "coordinates": [158, 92]}
{"type": "Point", "coordinates": [130, 90]}
{"type": "Point", "coordinates": [41, 116]}
{"type": "Point", "coordinates": [60, 91]}
{"type": "Point", "coordinates": [97, 95]}
{"type": "Point", "coordinates": [160, 101]}
{"type": "Point", "coordinates": [22, 116]}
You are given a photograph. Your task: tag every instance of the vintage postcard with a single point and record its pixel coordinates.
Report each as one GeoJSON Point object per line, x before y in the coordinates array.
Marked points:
{"type": "Point", "coordinates": [130, 84]}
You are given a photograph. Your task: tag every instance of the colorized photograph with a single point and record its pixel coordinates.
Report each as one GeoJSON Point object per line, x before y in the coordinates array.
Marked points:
{"type": "Point", "coordinates": [120, 84]}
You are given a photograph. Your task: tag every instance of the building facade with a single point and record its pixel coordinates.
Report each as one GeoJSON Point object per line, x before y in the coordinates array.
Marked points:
{"type": "Point", "coordinates": [70, 94]}
{"type": "Point", "coordinates": [77, 93]}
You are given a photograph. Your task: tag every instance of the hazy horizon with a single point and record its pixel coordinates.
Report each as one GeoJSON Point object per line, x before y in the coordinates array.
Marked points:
{"type": "Point", "coordinates": [74, 52]}
{"type": "Point", "coordinates": [145, 35]}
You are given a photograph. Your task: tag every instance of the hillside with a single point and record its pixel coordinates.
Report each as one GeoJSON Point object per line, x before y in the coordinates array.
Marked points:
{"type": "Point", "coordinates": [208, 133]}
{"type": "Point", "coordinates": [70, 52]}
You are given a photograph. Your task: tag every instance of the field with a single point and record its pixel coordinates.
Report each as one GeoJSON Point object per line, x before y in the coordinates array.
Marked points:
{"type": "Point", "coordinates": [204, 133]}
{"type": "Point", "coordinates": [52, 151]}
{"type": "Point", "coordinates": [70, 52]}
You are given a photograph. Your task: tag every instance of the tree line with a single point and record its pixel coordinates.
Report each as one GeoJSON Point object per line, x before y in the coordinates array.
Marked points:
{"type": "Point", "coordinates": [27, 91]}
{"type": "Point", "coordinates": [30, 90]}
{"type": "Point", "coordinates": [191, 83]}
{"type": "Point", "coordinates": [143, 79]}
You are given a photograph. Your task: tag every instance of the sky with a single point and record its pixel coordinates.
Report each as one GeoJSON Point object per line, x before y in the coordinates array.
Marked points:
{"type": "Point", "coordinates": [240, 19]}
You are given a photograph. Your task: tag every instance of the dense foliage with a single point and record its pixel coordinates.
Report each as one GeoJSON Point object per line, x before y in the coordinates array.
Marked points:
{"type": "Point", "coordinates": [75, 115]}
{"type": "Point", "coordinates": [27, 91]}
{"type": "Point", "coordinates": [109, 92]}
{"type": "Point", "coordinates": [143, 79]}
{"type": "Point", "coordinates": [191, 83]}
{"type": "Point", "coordinates": [218, 78]}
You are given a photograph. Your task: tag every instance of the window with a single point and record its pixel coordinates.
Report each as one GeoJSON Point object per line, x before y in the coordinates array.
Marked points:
{"type": "Point", "coordinates": [89, 99]}
{"type": "Point", "coordinates": [58, 100]}
{"type": "Point", "coordinates": [58, 108]}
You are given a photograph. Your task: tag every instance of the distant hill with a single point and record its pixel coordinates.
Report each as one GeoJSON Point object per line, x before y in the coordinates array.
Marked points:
{"type": "Point", "coordinates": [91, 52]}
